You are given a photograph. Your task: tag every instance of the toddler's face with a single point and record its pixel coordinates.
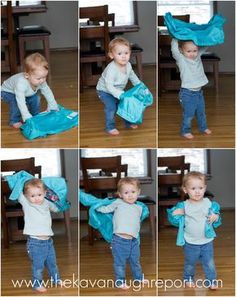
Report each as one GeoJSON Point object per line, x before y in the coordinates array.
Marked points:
{"type": "Point", "coordinates": [120, 54]}
{"type": "Point", "coordinates": [35, 195]}
{"type": "Point", "coordinates": [190, 50]}
{"type": "Point", "coordinates": [195, 188]}
{"type": "Point", "coordinates": [129, 193]}
{"type": "Point", "coordinates": [37, 77]}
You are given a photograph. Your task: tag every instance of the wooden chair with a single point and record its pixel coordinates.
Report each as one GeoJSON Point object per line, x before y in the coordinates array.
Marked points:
{"type": "Point", "coordinates": [136, 50]}
{"type": "Point", "coordinates": [93, 34]}
{"type": "Point", "coordinates": [169, 183]}
{"type": "Point", "coordinates": [12, 214]}
{"type": "Point", "coordinates": [9, 63]}
{"type": "Point", "coordinates": [100, 186]}
{"type": "Point", "coordinates": [30, 34]}
{"type": "Point", "coordinates": [12, 211]}
{"type": "Point", "coordinates": [167, 69]}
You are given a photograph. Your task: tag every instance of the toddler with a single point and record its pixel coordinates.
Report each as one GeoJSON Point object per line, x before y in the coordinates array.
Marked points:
{"type": "Point", "coordinates": [198, 213]}
{"type": "Point", "coordinates": [38, 228]}
{"type": "Point", "coordinates": [193, 78]}
{"type": "Point", "coordinates": [113, 81]}
{"type": "Point", "coordinates": [126, 227]}
{"type": "Point", "coordinates": [20, 90]}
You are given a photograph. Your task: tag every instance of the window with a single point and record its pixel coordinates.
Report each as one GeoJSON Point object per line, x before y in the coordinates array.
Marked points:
{"type": "Point", "coordinates": [137, 159]}
{"type": "Point", "coordinates": [196, 157]}
{"type": "Point", "coordinates": [42, 157]}
{"type": "Point", "coordinates": [200, 11]}
{"type": "Point", "coordinates": [124, 12]}
{"type": "Point", "coordinates": [24, 3]}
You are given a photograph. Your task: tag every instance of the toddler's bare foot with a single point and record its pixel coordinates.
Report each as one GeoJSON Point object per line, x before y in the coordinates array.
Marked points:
{"type": "Point", "coordinates": [190, 284]}
{"type": "Point", "coordinates": [207, 132]}
{"type": "Point", "coordinates": [114, 132]}
{"type": "Point", "coordinates": [133, 126]}
{"type": "Point", "coordinates": [17, 125]}
{"type": "Point", "coordinates": [188, 135]}
{"type": "Point", "coordinates": [41, 289]}
{"type": "Point", "coordinates": [123, 287]}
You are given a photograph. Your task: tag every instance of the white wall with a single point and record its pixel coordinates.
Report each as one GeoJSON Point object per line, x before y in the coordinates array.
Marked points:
{"type": "Point", "coordinates": [146, 36]}
{"type": "Point", "coordinates": [222, 184]}
{"type": "Point", "coordinates": [61, 19]}
{"type": "Point", "coordinates": [226, 51]}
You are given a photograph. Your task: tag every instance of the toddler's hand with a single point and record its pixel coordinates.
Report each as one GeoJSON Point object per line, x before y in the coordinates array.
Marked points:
{"type": "Point", "coordinates": [212, 218]}
{"type": "Point", "coordinates": [178, 211]}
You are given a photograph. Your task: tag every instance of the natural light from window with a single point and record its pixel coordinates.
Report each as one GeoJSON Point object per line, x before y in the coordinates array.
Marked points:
{"type": "Point", "coordinates": [196, 157]}
{"type": "Point", "coordinates": [124, 14]}
{"type": "Point", "coordinates": [200, 11]}
{"type": "Point", "coordinates": [135, 158]}
{"type": "Point", "coordinates": [49, 159]}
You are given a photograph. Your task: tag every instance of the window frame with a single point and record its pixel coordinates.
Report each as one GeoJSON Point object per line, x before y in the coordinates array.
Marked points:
{"type": "Point", "coordinates": [142, 179]}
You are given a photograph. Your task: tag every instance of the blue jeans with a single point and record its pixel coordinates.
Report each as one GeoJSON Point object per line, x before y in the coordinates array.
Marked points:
{"type": "Point", "coordinates": [32, 102]}
{"type": "Point", "coordinates": [42, 253]}
{"type": "Point", "coordinates": [193, 104]}
{"type": "Point", "coordinates": [126, 250]}
{"type": "Point", "coordinates": [203, 253]}
{"type": "Point", "coordinates": [110, 109]}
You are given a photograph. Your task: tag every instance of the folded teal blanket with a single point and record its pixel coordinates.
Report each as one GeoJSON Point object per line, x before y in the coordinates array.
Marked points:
{"type": "Point", "coordinates": [133, 103]}
{"type": "Point", "coordinates": [56, 188]}
{"type": "Point", "coordinates": [208, 34]}
{"type": "Point", "coordinates": [51, 122]}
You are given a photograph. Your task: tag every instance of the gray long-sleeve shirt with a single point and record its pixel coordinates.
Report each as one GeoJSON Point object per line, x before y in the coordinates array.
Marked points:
{"type": "Point", "coordinates": [20, 86]}
{"type": "Point", "coordinates": [113, 81]}
{"type": "Point", "coordinates": [38, 221]}
{"type": "Point", "coordinates": [126, 217]}
{"type": "Point", "coordinates": [191, 71]}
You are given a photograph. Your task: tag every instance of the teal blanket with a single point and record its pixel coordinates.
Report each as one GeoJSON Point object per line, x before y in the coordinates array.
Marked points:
{"type": "Point", "coordinates": [103, 221]}
{"type": "Point", "coordinates": [56, 184]}
{"type": "Point", "coordinates": [133, 103]}
{"type": "Point", "coordinates": [208, 34]}
{"type": "Point", "coordinates": [51, 122]}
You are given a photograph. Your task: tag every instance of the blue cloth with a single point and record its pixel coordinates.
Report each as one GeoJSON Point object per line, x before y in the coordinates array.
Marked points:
{"type": "Point", "coordinates": [178, 221]}
{"type": "Point", "coordinates": [47, 123]}
{"type": "Point", "coordinates": [103, 221]}
{"type": "Point", "coordinates": [42, 253]}
{"type": "Point", "coordinates": [133, 103]}
{"type": "Point", "coordinates": [57, 184]}
{"type": "Point", "coordinates": [110, 109]}
{"type": "Point", "coordinates": [203, 253]}
{"type": "Point", "coordinates": [32, 102]}
{"type": "Point", "coordinates": [123, 251]}
{"type": "Point", "coordinates": [193, 104]}
{"type": "Point", "coordinates": [208, 34]}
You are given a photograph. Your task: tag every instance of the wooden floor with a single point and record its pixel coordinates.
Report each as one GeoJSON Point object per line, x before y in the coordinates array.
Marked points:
{"type": "Point", "coordinates": [220, 117]}
{"type": "Point", "coordinates": [92, 133]}
{"type": "Point", "coordinates": [170, 265]}
{"type": "Point", "coordinates": [15, 264]}
{"type": "Point", "coordinates": [96, 264]}
{"type": "Point", "coordinates": [64, 84]}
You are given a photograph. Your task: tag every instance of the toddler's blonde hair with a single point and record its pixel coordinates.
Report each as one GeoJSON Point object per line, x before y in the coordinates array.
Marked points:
{"type": "Point", "coordinates": [34, 61]}
{"type": "Point", "coordinates": [193, 174]}
{"type": "Point", "coordinates": [127, 181]}
{"type": "Point", "coordinates": [118, 40]}
{"type": "Point", "coordinates": [33, 183]}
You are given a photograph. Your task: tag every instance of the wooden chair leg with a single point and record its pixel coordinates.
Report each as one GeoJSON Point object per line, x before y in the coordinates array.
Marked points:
{"type": "Point", "coordinates": [139, 65]}
{"type": "Point", "coordinates": [90, 235]}
{"type": "Point", "coordinates": [67, 224]}
{"type": "Point", "coordinates": [5, 234]}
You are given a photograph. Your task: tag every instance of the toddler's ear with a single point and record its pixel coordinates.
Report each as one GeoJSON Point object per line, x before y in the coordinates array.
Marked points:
{"type": "Point", "coordinates": [110, 55]}
{"type": "Point", "coordinates": [26, 75]}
